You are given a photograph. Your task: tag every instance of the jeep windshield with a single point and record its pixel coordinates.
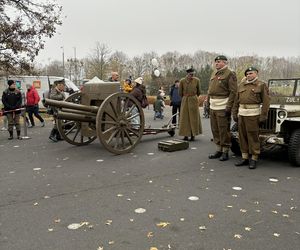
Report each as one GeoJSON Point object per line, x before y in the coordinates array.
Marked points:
{"type": "Point", "coordinates": [284, 87]}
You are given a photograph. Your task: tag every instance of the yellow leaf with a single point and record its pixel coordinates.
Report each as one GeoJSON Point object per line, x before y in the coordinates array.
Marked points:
{"type": "Point", "coordinates": [150, 234]}
{"type": "Point", "coordinates": [162, 224]}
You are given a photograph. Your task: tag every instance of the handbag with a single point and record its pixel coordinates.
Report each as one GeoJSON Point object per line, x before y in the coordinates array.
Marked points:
{"type": "Point", "coordinates": [144, 102]}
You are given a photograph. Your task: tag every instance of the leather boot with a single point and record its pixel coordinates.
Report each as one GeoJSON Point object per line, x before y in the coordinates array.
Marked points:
{"type": "Point", "coordinates": [11, 135]}
{"type": "Point", "coordinates": [224, 157]}
{"type": "Point", "coordinates": [185, 138]}
{"type": "Point", "coordinates": [52, 136]}
{"type": "Point", "coordinates": [58, 136]}
{"type": "Point", "coordinates": [242, 162]}
{"type": "Point", "coordinates": [19, 135]}
{"type": "Point", "coordinates": [192, 138]}
{"type": "Point", "coordinates": [215, 155]}
{"type": "Point", "coordinates": [253, 164]}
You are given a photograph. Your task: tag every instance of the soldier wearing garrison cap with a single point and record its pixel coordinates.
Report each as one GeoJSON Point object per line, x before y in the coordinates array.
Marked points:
{"type": "Point", "coordinates": [57, 93]}
{"type": "Point", "coordinates": [250, 109]}
{"type": "Point", "coordinates": [221, 94]}
{"type": "Point", "coordinates": [189, 119]}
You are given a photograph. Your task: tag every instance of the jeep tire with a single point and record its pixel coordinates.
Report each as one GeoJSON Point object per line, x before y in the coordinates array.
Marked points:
{"type": "Point", "coordinates": [294, 148]}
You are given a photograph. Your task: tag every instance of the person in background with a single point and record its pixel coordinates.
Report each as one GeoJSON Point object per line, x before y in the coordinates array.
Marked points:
{"type": "Point", "coordinates": [56, 93]}
{"type": "Point", "coordinates": [159, 106]}
{"type": "Point", "coordinates": [138, 92]}
{"type": "Point", "coordinates": [221, 93]}
{"type": "Point", "coordinates": [161, 91]}
{"type": "Point", "coordinates": [189, 120]}
{"type": "Point", "coordinates": [252, 93]}
{"type": "Point", "coordinates": [12, 101]}
{"type": "Point", "coordinates": [114, 77]}
{"type": "Point", "coordinates": [23, 112]}
{"type": "Point", "coordinates": [127, 85]}
{"type": "Point", "coordinates": [32, 105]}
{"type": "Point", "coordinates": [175, 99]}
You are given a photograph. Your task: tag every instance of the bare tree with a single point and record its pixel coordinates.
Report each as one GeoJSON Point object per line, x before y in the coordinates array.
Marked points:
{"type": "Point", "coordinates": [98, 61]}
{"type": "Point", "coordinates": [24, 25]}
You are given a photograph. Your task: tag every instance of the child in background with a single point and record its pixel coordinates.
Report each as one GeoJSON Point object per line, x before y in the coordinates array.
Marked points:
{"type": "Point", "coordinates": [159, 106]}
{"type": "Point", "coordinates": [127, 86]}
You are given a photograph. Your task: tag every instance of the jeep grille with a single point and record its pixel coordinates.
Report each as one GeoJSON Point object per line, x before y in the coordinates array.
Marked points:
{"type": "Point", "coordinates": [270, 124]}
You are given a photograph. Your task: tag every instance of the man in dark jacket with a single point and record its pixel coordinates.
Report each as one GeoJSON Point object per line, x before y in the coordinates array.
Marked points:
{"type": "Point", "coordinates": [175, 100]}
{"type": "Point", "coordinates": [12, 101]}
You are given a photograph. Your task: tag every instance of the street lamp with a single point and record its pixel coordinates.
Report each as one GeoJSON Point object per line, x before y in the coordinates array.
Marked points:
{"type": "Point", "coordinates": [63, 60]}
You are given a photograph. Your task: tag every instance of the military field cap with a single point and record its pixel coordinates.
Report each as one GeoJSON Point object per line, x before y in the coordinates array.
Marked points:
{"type": "Point", "coordinates": [250, 69]}
{"type": "Point", "coordinates": [61, 81]}
{"type": "Point", "coordinates": [139, 80]}
{"type": "Point", "coordinates": [10, 82]}
{"type": "Point", "coordinates": [190, 70]}
{"type": "Point", "coordinates": [221, 57]}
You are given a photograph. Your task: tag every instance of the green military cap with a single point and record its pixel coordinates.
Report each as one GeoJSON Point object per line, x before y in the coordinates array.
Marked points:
{"type": "Point", "coordinates": [251, 69]}
{"type": "Point", "coordinates": [61, 81]}
{"type": "Point", "coordinates": [221, 57]}
{"type": "Point", "coordinates": [190, 70]}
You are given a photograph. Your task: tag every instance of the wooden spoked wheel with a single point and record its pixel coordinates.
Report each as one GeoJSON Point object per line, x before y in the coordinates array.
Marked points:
{"type": "Point", "coordinates": [71, 130]}
{"type": "Point", "coordinates": [120, 123]}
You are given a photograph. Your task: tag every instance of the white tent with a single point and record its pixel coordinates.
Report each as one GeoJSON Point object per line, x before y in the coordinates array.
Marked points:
{"type": "Point", "coordinates": [95, 80]}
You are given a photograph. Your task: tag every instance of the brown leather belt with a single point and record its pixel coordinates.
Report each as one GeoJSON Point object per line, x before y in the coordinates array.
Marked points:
{"type": "Point", "coordinates": [188, 95]}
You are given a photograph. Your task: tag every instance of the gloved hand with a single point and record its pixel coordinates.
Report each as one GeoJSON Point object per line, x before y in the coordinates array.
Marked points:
{"type": "Point", "coordinates": [262, 120]}
{"type": "Point", "coordinates": [235, 118]}
{"type": "Point", "coordinates": [227, 112]}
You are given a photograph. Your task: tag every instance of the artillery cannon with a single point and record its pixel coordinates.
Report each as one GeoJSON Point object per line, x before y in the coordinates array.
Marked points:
{"type": "Point", "coordinates": [100, 110]}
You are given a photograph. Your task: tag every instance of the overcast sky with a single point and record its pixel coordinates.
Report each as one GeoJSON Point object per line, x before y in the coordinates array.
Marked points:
{"type": "Point", "coordinates": [231, 27]}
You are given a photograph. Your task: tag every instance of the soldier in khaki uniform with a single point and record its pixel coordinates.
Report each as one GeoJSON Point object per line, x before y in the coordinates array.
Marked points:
{"type": "Point", "coordinates": [221, 94]}
{"type": "Point", "coordinates": [189, 119]}
{"type": "Point", "coordinates": [57, 93]}
{"type": "Point", "coordinates": [250, 109]}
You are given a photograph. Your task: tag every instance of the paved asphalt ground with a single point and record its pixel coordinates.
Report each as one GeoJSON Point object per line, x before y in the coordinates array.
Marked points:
{"type": "Point", "coordinates": [144, 200]}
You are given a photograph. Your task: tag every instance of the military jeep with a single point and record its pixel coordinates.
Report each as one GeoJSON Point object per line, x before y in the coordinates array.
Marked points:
{"type": "Point", "coordinates": [282, 128]}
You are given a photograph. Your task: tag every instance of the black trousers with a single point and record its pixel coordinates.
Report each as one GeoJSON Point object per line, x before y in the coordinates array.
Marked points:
{"type": "Point", "coordinates": [34, 110]}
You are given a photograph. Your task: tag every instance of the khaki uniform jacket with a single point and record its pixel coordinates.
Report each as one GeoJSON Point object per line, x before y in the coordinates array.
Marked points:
{"type": "Point", "coordinates": [252, 93]}
{"type": "Point", "coordinates": [223, 84]}
{"type": "Point", "coordinates": [189, 111]}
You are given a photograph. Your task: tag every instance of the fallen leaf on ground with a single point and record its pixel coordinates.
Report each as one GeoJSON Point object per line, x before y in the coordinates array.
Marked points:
{"type": "Point", "coordinates": [163, 224]}
{"type": "Point", "coordinates": [140, 210]}
{"type": "Point", "coordinates": [108, 222]}
{"type": "Point", "coordinates": [150, 234]}
{"type": "Point", "coordinates": [211, 216]}
{"type": "Point", "coordinates": [193, 198]}
{"type": "Point", "coordinates": [237, 236]}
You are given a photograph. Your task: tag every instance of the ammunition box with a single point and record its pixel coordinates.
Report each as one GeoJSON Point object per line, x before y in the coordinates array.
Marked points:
{"type": "Point", "coordinates": [173, 145]}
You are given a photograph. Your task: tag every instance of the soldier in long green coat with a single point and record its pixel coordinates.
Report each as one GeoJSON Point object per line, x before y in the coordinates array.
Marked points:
{"type": "Point", "coordinates": [189, 120]}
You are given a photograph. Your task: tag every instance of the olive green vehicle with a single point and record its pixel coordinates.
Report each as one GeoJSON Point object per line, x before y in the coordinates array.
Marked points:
{"type": "Point", "coordinates": [282, 129]}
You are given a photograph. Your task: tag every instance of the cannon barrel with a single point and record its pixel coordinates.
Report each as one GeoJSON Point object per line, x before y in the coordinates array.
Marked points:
{"type": "Point", "coordinates": [75, 117]}
{"type": "Point", "coordinates": [71, 105]}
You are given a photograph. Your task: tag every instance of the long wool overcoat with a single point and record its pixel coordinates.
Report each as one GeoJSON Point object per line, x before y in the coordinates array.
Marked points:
{"type": "Point", "coordinates": [190, 121]}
